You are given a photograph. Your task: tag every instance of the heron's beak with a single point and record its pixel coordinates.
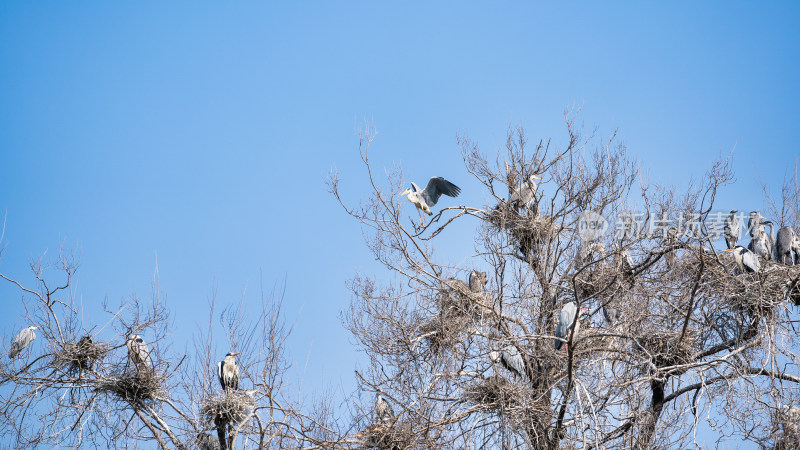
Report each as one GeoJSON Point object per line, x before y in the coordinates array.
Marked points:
{"type": "Point", "coordinates": [728, 250]}
{"type": "Point", "coordinates": [407, 191]}
{"type": "Point", "coordinates": [235, 354]}
{"type": "Point", "coordinates": [537, 177]}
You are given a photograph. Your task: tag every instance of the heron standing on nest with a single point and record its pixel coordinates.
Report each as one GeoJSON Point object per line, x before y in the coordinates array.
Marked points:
{"type": "Point", "coordinates": [383, 409]}
{"type": "Point", "coordinates": [524, 195]}
{"type": "Point", "coordinates": [23, 339]}
{"type": "Point", "coordinates": [746, 261]}
{"type": "Point", "coordinates": [228, 372]}
{"type": "Point", "coordinates": [424, 199]}
{"type": "Point", "coordinates": [511, 359]}
{"type": "Point", "coordinates": [138, 352]}
{"type": "Point", "coordinates": [566, 319]}
{"type": "Point", "coordinates": [731, 229]}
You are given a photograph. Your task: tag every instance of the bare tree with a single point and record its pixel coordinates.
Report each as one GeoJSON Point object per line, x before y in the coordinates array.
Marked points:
{"type": "Point", "coordinates": [673, 340]}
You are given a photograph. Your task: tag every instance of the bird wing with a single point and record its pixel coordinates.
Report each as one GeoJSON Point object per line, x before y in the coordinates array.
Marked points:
{"type": "Point", "coordinates": [514, 360]}
{"type": "Point", "coordinates": [750, 261]}
{"type": "Point", "coordinates": [438, 186]}
{"type": "Point", "coordinates": [565, 319]}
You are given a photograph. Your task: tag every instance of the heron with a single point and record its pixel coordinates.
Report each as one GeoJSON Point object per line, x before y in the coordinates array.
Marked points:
{"type": "Point", "coordinates": [426, 198]}
{"type": "Point", "coordinates": [732, 229]}
{"type": "Point", "coordinates": [623, 261]}
{"type": "Point", "coordinates": [762, 243]}
{"type": "Point", "coordinates": [566, 320]}
{"type": "Point", "coordinates": [207, 441]}
{"type": "Point", "coordinates": [22, 340]}
{"type": "Point", "coordinates": [524, 195]}
{"type": "Point", "coordinates": [138, 352]}
{"type": "Point", "coordinates": [228, 372]}
{"type": "Point", "coordinates": [671, 240]}
{"type": "Point", "coordinates": [610, 314]}
{"type": "Point", "coordinates": [83, 345]}
{"type": "Point", "coordinates": [587, 251]}
{"type": "Point", "coordinates": [477, 281]}
{"type": "Point", "coordinates": [383, 410]}
{"type": "Point", "coordinates": [785, 244]}
{"type": "Point", "coordinates": [746, 261]}
{"type": "Point", "coordinates": [511, 359]}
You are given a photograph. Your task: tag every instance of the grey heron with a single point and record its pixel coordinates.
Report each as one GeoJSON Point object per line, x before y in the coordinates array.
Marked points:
{"type": "Point", "coordinates": [589, 252]}
{"type": "Point", "coordinates": [746, 261]}
{"type": "Point", "coordinates": [82, 346]}
{"type": "Point", "coordinates": [623, 261]}
{"type": "Point", "coordinates": [524, 195]}
{"type": "Point", "coordinates": [138, 352]}
{"type": "Point", "coordinates": [762, 243]}
{"type": "Point", "coordinates": [424, 199]}
{"type": "Point", "coordinates": [383, 410]}
{"type": "Point", "coordinates": [732, 229]}
{"type": "Point", "coordinates": [228, 372]}
{"type": "Point", "coordinates": [785, 245]}
{"type": "Point", "coordinates": [671, 240]}
{"type": "Point", "coordinates": [477, 280]}
{"type": "Point", "coordinates": [566, 319]}
{"type": "Point", "coordinates": [207, 441]}
{"type": "Point", "coordinates": [610, 314]}
{"type": "Point", "coordinates": [511, 359]}
{"type": "Point", "coordinates": [22, 340]}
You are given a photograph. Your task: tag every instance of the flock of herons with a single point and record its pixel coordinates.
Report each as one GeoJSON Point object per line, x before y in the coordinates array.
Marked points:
{"type": "Point", "coordinates": [783, 248]}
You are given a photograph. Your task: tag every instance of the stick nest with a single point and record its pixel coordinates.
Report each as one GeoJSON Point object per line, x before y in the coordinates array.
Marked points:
{"type": "Point", "coordinates": [495, 394]}
{"type": "Point", "coordinates": [395, 436]}
{"type": "Point", "coordinates": [134, 386]}
{"type": "Point", "coordinates": [665, 350]}
{"type": "Point", "coordinates": [81, 356]}
{"type": "Point", "coordinates": [528, 229]}
{"type": "Point", "coordinates": [444, 331]}
{"type": "Point", "coordinates": [230, 408]}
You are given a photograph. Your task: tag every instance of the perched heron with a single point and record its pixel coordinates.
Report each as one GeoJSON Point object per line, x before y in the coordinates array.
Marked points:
{"type": "Point", "coordinates": [23, 339]}
{"type": "Point", "coordinates": [566, 319]}
{"type": "Point", "coordinates": [785, 245]}
{"type": "Point", "coordinates": [732, 229]}
{"type": "Point", "coordinates": [611, 314]}
{"type": "Point", "coordinates": [746, 261]}
{"type": "Point", "coordinates": [138, 352]}
{"type": "Point", "coordinates": [477, 281]}
{"type": "Point", "coordinates": [671, 240]}
{"type": "Point", "coordinates": [762, 243]}
{"type": "Point", "coordinates": [82, 346]}
{"type": "Point", "coordinates": [424, 199]}
{"type": "Point", "coordinates": [511, 359]}
{"type": "Point", "coordinates": [589, 252]}
{"type": "Point", "coordinates": [524, 195]}
{"type": "Point", "coordinates": [383, 409]}
{"type": "Point", "coordinates": [207, 441]}
{"type": "Point", "coordinates": [623, 261]}
{"type": "Point", "coordinates": [228, 372]}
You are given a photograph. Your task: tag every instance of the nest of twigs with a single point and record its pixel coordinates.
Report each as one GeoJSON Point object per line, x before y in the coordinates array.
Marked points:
{"type": "Point", "coordinates": [443, 331]}
{"type": "Point", "coordinates": [134, 386]}
{"type": "Point", "coordinates": [394, 436]}
{"type": "Point", "coordinates": [528, 229]}
{"type": "Point", "coordinates": [495, 394]}
{"type": "Point", "coordinates": [600, 277]}
{"type": "Point", "coordinates": [231, 408]}
{"type": "Point", "coordinates": [458, 299]}
{"type": "Point", "coordinates": [667, 349]}
{"type": "Point", "coordinates": [80, 356]}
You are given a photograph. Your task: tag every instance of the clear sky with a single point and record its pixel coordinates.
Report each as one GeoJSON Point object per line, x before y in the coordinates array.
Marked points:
{"type": "Point", "coordinates": [202, 132]}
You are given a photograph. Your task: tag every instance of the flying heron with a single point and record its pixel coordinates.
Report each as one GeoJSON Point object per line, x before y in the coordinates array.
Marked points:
{"type": "Point", "coordinates": [511, 359]}
{"type": "Point", "coordinates": [746, 261]}
{"type": "Point", "coordinates": [383, 410]}
{"type": "Point", "coordinates": [23, 339]}
{"type": "Point", "coordinates": [138, 352]}
{"type": "Point", "coordinates": [228, 372]}
{"type": "Point", "coordinates": [424, 199]}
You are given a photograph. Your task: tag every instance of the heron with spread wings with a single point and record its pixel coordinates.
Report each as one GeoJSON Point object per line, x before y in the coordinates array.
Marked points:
{"type": "Point", "coordinates": [426, 198]}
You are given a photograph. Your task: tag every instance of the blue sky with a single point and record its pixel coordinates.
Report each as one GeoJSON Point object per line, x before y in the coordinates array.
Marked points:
{"type": "Point", "coordinates": [202, 133]}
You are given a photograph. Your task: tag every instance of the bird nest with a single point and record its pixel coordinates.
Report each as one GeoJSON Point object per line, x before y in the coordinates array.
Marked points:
{"type": "Point", "coordinates": [394, 436]}
{"type": "Point", "coordinates": [666, 348]}
{"type": "Point", "coordinates": [134, 386]}
{"type": "Point", "coordinates": [231, 408]}
{"type": "Point", "coordinates": [81, 356]}
{"type": "Point", "coordinates": [599, 277]}
{"type": "Point", "coordinates": [458, 299]}
{"type": "Point", "coordinates": [443, 331]}
{"type": "Point", "coordinates": [528, 229]}
{"type": "Point", "coordinates": [495, 394]}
